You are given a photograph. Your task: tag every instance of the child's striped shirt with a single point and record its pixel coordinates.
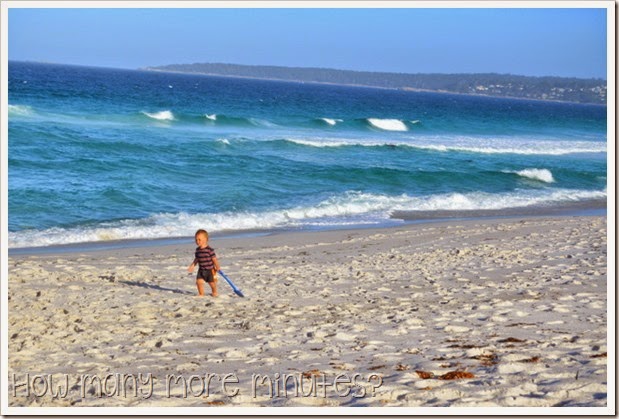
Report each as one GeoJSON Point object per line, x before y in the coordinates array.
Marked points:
{"type": "Point", "coordinates": [204, 257]}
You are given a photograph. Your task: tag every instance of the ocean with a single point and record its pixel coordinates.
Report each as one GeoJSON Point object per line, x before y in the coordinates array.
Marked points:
{"type": "Point", "coordinates": [99, 155]}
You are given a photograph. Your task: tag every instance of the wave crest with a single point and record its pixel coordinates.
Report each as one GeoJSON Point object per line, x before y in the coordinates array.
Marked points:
{"type": "Point", "coordinates": [388, 124]}
{"type": "Point", "coordinates": [542, 175]}
{"type": "Point", "coordinates": [345, 209]}
{"type": "Point", "coordinates": [160, 116]}
{"type": "Point", "coordinates": [331, 121]}
{"type": "Point", "coordinates": [20, 110]}
{"type": "Point", "coordinates": [465, 145]}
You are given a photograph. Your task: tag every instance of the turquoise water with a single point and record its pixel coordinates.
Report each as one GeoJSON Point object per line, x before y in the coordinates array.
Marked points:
{"type": "Point", "coordinates": [101, 154]}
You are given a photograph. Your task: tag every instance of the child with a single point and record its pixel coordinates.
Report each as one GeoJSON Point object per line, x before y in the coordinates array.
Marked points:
{"type": "Point", "coordinates": [206, 258]}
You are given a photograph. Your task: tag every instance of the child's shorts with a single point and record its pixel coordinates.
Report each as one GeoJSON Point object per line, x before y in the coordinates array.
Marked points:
{"type": "Point", "coordinates": [206, 274]}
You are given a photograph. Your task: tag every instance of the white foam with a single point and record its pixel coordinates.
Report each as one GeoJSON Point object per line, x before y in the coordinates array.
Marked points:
{"type": "Point", "coordinates": [322, 143]}
{"type": "Point", "coordinates": [346, 209]}
{"type": "Point", "coordinates": [331, 121]}
{"type": "Point", "coordinates": [160, 116]}
{"type": "Point", "coordinates": [183, 224]}
{"type": "Point", "coordinates": [507, 145]}
{"type": "Point", "coordinates": [262, 123]}
{"type": "Point", "coordinates": [21, 110]}
{"type": "Point", "coordinates": [212, 117]}
{"type": "Point", "coordinates": [467, 144]}
{"type": "Point", "coordinates": [490, 201]}
{"type": "Point", "coordinates": [388, 124]}
{"type": "Point", "coordinates": [542, 175]}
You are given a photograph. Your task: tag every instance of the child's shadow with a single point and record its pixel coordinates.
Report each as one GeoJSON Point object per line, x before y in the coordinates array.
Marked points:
{"type": "Point", "coordinates": [154, 287]}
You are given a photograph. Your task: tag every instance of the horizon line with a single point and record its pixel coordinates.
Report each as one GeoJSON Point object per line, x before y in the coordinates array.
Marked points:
{"type": "Point", "coordinates": [154, 67]}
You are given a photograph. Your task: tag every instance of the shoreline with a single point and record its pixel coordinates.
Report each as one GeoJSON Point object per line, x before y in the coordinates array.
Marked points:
{"type": "Point", "coordinates": [278, 238]}
{"type": "Point", "coordinates": [400, 89]}
{"type": "Point", "coordinates": [398, 219]}
{"type": "Point", "coordinates": [508, 312]}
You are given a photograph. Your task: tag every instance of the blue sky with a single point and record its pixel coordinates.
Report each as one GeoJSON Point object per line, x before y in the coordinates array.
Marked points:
{"type": "Point", "coordinates": [526, 41]}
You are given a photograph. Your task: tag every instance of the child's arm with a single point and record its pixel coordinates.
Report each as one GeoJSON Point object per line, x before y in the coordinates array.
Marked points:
{"type": "Point", "coordinates": [216, 264]}
{"type": "Point", "coordinates": [193, 265]}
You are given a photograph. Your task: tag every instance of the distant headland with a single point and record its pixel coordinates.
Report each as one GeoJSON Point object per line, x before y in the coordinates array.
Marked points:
{"type": "Point", "coordinates": [564, 89]}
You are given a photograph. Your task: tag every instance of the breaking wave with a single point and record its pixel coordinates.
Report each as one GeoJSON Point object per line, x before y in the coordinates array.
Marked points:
{"type": "Point", "coordinates": [20, 110]}
{"type": "Point", "coordinates": [160, 116]}
{"type": "Point", "coordinates": [349, 208]}
{"type": "Point", "coordinates": [542, 175]}
{"type": "Point", "coordinates": [467, 145]}
{"type": "Point", "coordinates": [331, 121]}
{"type": "Point", "coordinates": [388, 124]}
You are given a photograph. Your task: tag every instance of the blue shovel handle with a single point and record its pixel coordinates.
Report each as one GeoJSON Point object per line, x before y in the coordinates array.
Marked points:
{"type": "Point", "coordinates": [229, 281]}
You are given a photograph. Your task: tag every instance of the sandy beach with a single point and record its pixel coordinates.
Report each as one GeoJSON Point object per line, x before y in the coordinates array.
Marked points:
{"type": "Point", "coordinates": [476, 313]}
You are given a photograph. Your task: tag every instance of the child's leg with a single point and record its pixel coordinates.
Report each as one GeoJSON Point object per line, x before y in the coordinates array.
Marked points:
{"type": "Point", "coordinates": [213, 285]}
{"type": "Point", "coordinates": [200, 284]}
{"type": "Point", "coordinates": [212, 281]}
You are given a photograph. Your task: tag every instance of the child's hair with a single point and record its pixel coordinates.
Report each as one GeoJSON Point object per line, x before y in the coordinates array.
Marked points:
{"type": "Point", "coordinates": [201, 231]}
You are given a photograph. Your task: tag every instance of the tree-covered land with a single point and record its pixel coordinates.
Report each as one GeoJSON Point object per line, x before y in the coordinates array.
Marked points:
{"type": "Point", "coordinates": [490, 84]}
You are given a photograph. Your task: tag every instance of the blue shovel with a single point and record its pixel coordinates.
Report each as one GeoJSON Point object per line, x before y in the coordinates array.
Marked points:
{"type": "Point", "coordinates": [229, 281]}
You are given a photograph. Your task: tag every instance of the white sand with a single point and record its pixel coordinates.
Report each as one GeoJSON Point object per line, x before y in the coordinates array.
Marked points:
{"type": "Point", "coordinates": [517, 307]}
